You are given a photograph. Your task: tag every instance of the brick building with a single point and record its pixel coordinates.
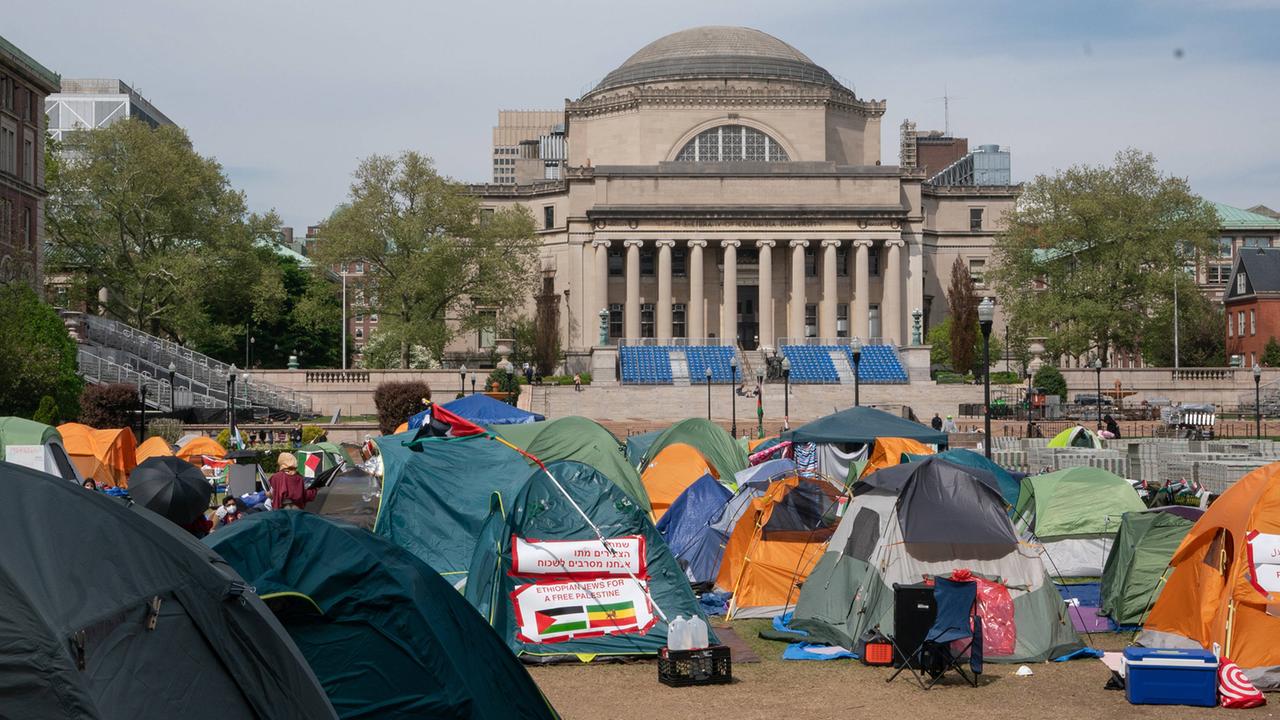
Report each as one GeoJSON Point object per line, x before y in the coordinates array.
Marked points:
{"type": "Point", "coordinates": [24, 85]}
{"type": "Point", "coordinates": [1252, 303]}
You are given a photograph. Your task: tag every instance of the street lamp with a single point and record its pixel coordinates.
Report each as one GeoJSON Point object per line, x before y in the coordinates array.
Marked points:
{"type": "Point", "coordinates": [786, 393]}
{"type": "Point", "coordinates": [462, 375]}
{"type": "Point", "coordinates": [231, 403]}
{"type": "Point", "coordinates": [1097, 370]}
{"type": "Point", "coordinates": [473, 384]}
{"type": "Point", "coordinates": [759, 402]}
{"type": "Point", "coordinates": [708, 374]}
{"type": "Point", "coordinates": [1028, 371]}
{"type": "Point", "coordinates": [1257, 401]}
{"type": "Point", "coordinates": [857, 358]}
{"type": "Point", "coordinates": [733, 398]}
{"type": "Point", "coordinates": [986, 315]}
{"type": "Point", "coordinates": [173, 392]}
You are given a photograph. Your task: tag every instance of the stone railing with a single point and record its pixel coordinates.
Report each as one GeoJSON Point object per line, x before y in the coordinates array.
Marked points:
{"type": "Point", "coordinates": [337, 376]}
{"type": "Point", "coordinates": [1202, 374]}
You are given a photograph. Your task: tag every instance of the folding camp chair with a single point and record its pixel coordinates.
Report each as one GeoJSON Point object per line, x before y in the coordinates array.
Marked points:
{"type": "Point", "coordinates": [934, 657]}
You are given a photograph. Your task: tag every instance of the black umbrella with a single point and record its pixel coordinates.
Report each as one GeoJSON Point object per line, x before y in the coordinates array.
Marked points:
{"type": "Point", "coordinates": [172, 487]}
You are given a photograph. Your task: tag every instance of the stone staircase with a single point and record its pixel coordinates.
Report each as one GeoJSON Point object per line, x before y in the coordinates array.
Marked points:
{"type": "Point", "coordinates": [679, 367]}
{"type": "Point", "coordinates": [844, 366]}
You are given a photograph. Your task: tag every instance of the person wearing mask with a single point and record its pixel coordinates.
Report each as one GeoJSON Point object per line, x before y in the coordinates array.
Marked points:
{"type": "Point", "coordinates": [936, 422]}
{"type": "Point", "coordinates": [229, 512]}
{"type": "Point", "coordinates": [287, 484]}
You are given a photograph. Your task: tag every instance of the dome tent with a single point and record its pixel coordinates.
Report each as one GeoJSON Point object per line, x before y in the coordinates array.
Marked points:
{"type": "Point", "coordinates": [1074, 514]}
{"type": "Point", "coordinates": [37, 446]}
{"type": "Point", "coordinates": [671, 472]}
{"type": "Point", "coordinates": [107, 456]}
{"type": "Point", "coordinates": [149, 624]}
{"type": "Point", "coordinates": [723, 453]}
{"type": "Point", "coordinates": [379, 627]}
{"type": "Point", "coordinates": [684, 522]}
{"type": "Point", "coordinates": [1076, 437]}
{"type": "Point", "coordinates": [1133, 576]}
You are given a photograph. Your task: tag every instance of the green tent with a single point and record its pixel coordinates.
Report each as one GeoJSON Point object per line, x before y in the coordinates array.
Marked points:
{"type": "Point", "coordinates": [1077, 437]}
{"type": "Point", "coordinates": [36, 446]}
{"type": "Point", "coordinates": [716, 445]}
{"type": "Point", "coordinates": [577, 438]}
{"type": "Point", "coordinates": [1074, 513]}
{"type": "Point", "coordinates": [1134, 573]}
{"type": "Point", "coordinates": [316, 458]}
{"type": "Point", "coordinates": [531, 612]}
{"type": "Point", "coordinates": [864, 425]}
{"type": "Point", "coordinates": [436, 495]}
{"type": "Point", "coordinates": [385, 634]}
{"type": "Point", "coordinates": [638, 445]}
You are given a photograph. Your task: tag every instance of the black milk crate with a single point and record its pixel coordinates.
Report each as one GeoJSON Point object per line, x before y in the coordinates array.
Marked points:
{"type": "Point", "coordinates": [705, 666]}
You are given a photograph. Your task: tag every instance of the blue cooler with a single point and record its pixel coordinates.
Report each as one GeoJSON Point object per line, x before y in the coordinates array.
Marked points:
{"type": "Point", "coordinates": [1171, 677]}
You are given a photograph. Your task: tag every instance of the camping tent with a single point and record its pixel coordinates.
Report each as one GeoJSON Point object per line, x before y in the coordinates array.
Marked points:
{"type": "Point", "coordinates": [889, 451]}
{"type": "Point", "coordinates": [1074, 513]}
{"type": "Point", "coordinates": [553, 590]}
{"type": "Point", "coordinates": [1131, 579]}
{"type": "Point", "coordinates": [672, 470]}
{"type": "Point", "coordinates": [436, 495]}
{"type": "Point", "coordinates": [1225, 583]}
{"type": "Point", "coordinates": [1010, 486]}
{"type": "Point", "coordinates": [1077, 437]}
{"type": "Point", "coordinates": [722, 452]}
{"type": "Point", "coordinates": [929, 519]}
{"type": "Point", "coordinates": [484, 410]}
{"type": "Point", "coordinates": [383, 632]}
{"type": "Point", "coordinates": [864, 425]}
{"type": "Point", "coordinates": [351, 495]}
{"type": "Point", "coordinates": [776, 543]}
{"type": "Point", "coordinates": [104, 455]}
{"type": "Point", "coordinates": [37, 446]}
{"type": "Point", "coordinates": [113, 612]}
{"type": "Point", "coordinates": [684, 523]}
{"type": "Point", "coordinates": [194, 449]}
{"type": "Point", "coordinates": [581, 439]}
{"type": "Point", "coordinates": [701, 554]}
{"type": "Point", "coordinates": [154, 446]}
{"type": "Point", "coordinates": [314, 460]}
{"type": "Point", "coordinates": [639, 444]}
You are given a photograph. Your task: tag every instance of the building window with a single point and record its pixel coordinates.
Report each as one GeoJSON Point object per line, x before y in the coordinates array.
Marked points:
{"type": "Point", "coordinates": [677, 320]}
{"type": "Point", "coordinates": [811, 320]}
{"type": "Point", "coordinates": [28, 230]}
{"type": "Point", "coordinates": [1240, 283]}
{"type": "Point", "coordinates": [29, 156]}
{"type": "Point", "coordinates": [975, 218]}
{"type": "Point", "coordinates": [647, 263]}
{"type": "Point", "coordinates": [977, 270]}
{"type": "Point", "coordinates": [9, 147]}
{"type": "Point", "coordinates": [646, 320]}
{"type": "Point", "coordinates": [873, 261]}
{"type": "Point", "coordinates": [810, 262]}
{"type": "Point", "coordinates": [359, 267]}
{"type": "Point", "coordinates": [1231, 330]}
{"type": "Point", "coordinates": [615, 320]}
{"type": "Point", "coordinates": [1253, 325]}
{"type": "Point", "coordinates": [1224, 247]}
{"type": "Point", "coordinates": [1257, 242]}
{"type": "Point", "coordinates": [359, 318]}
{"type": "Point", "coordinates": [548, 217]}
{"type": "Point", "coordinates": [359, 333]}
{"type": "Point", "coordinates": [374, 318]}
{"type": "Point", "coordinates": [1217, 274]}
{"type": "Point", "coordinates": [1240, 323]}
{"type": "Point", "coordinates": [842, 260]}
{"type": "Point", "coordinates": [842, 320]}
{"type": "Point", "coordinates": [617, 263]}
{"type": "Point", "coordinates": [679, 266]}
{"type": "Point", "coordinates": [732, 143]}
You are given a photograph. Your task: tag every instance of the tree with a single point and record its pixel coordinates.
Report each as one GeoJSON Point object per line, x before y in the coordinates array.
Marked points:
{"type": "Point", "coordinates": [962, 301]}
{"type": "Point", "coordinates": [940, 351]}
{"type": "Point", "coordinates": [309, 321]}
{"type": "Point", "coordinates": [48, 412]}
{"type": "Point", "coordinates": [1200, 323]}
{"type": "Point", "coordinates": [1050, 381]}
{"type": "Point", "coordinates": [1089, 253]}
{"type": "Point", "coordinates": [109, 406]}
{"type": "Point", "coordinates": [37, 356]}
{"type": "Point", "coordinates": [1271, 353]}
{"type": "Point", "coordinates": [155, 229]}
{"type": "Point", "coordinates": [431, 257]}
{"type": "Point", "coordinates": [546, 344]}
{"type": "Point", "coordinates": [396, 402]}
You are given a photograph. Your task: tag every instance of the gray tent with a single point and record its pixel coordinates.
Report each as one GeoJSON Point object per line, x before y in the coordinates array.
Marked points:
{"type": "Point", "coordinates": [111, 611]}
{"type": "Point", "coordinates": [928, 519]}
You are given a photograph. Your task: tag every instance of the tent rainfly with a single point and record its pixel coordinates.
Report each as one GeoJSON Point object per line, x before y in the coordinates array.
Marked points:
{"type": "Point", "coordinates": [864, 425]}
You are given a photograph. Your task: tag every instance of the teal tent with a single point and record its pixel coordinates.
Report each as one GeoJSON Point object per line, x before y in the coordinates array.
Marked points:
{"type": "Point", "coordinates": [544, 610]}
{"type": "Point", "coordinates": [386, 636]}
{"type": "Point", "coordinates": [724, 454]}
{"type": "Point", "coordinates": [436, 495]}
{"type": "Point", "coordinates": [864, 425]}
{"type": "Point", "coordinates": [638, 446]}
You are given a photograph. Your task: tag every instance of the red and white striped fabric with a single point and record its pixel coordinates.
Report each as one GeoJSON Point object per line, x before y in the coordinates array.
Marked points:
{"type": "Point", "coordinates": [1234, 689]}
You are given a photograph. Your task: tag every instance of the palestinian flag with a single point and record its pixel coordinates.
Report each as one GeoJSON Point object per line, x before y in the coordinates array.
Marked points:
{"type": "Point", "coordinates": [552, 621]}
{"type": "Point", "coordinates": [312, 464]}
{"type": "Point", "coordinates": [616, 616]}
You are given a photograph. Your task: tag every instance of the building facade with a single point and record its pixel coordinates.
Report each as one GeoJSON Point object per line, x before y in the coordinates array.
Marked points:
{"type": "Point", "coordinates": [90, 103]}
{"type": "Point", "coordinates": [1251, 299]}
{"type": "Point", "coordinates": [722, 187]}
{"type": "Point", "coordinates": [24, 84]}
{"type": "Point", "coordinates": [519, 140]}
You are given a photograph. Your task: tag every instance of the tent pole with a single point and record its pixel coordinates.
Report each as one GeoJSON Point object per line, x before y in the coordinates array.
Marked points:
{"type": "Point", "coordinates": [1231, 621]}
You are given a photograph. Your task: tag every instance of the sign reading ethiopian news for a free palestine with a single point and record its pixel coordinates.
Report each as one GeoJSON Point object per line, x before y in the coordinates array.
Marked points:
{"type": "Point", "coordinates": [623, 557]}
{"type": "Point", "coordinates": [550, 611]}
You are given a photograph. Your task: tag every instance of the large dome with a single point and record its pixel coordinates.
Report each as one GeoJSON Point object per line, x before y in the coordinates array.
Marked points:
{"type": "Point", "coordinates": [717, 52]}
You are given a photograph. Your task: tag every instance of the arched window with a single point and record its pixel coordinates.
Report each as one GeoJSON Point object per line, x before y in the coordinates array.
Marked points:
{"type": "Point", "coordinates": [732, 143]}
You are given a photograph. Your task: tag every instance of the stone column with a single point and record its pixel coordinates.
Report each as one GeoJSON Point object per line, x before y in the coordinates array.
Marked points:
{"type": "Point", "coordinates": [601, 300]}
{"type": "Point", "coordinates": [695, 312]}
{"type": "Point", "coordinates": [795, 318]}
{"type": "Point", "coordinates": [827, 310]}
{"type": "Point", "coordinates": [632, 311]}
{"type": "Point", "coordinates": [729, 304]}
{"type": "Point", "coordinates": [891, 303]}
{"type": "Point", "coordinates": [663, 330]}
{"type": "Point", "coordinates": [766, 292]}
{"type": "Point", "coordinates": [861, 288]}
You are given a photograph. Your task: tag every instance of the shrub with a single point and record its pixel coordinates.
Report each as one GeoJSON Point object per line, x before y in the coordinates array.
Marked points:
{"type": "Point", "coordinates": [37, 356]}
{"type": "Point", "coordinates": [311, 433]}
{"type": "Point", "coordinates": [508, 383]}
{"type": "Point", "coordinates": [109, 406]}
{"type": "Point", "coordinates": [397, 402]}
{"type": "Point", "coordinates": [167, 428]}
{"type": "Point", "coordinates": [1050, 381]}
{"type": "Point", "coordinates": [944, 377]}
{"type": "Point", "coordinates": [224, 437]}
{"type": "Point", "coordinates": [47, 413]}
{"type": "Point", "coordinates": [1005, 377]}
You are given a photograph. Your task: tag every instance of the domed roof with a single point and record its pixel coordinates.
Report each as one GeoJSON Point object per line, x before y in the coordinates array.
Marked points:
{"type": "Point", "coordinates": [717, 52]}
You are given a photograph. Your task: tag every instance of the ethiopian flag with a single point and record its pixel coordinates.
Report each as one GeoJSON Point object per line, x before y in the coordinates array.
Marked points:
{"type": "Point", "coordinates": [614, 616]}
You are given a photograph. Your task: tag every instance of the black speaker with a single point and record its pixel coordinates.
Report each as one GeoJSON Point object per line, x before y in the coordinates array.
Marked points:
{"type": "Point", "coordinates": [914, 611]}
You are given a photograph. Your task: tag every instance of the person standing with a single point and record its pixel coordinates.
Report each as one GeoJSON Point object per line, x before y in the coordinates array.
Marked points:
{"type": "Point", "coordinates": [949, 426]}
{"type": "Point", "coordinates": [936, 422]}
{"type": "Point", "coordinates": [288, 488]}
{"type": "Point", "coordinates": [577, 382]}
{"type": "Point", "coordinates": [1111, 425]}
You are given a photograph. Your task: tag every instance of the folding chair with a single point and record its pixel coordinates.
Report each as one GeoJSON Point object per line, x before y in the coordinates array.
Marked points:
{"type": "Point", "coordinates": [934, 657]}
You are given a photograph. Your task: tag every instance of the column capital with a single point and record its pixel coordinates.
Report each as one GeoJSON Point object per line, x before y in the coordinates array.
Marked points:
{"type": "Point", "coordinates": [697, 243]}
{"type": "Point", "coordinates": [665, 243]}
{"type": "Point", "coordinates": [766, 243]}
{"type": "Point", "coordinates": [798, 243]}
{"type": "Point", "coordinates": [895, 243]}
{"type": "Point", "coordinates": [600, 243]}
{"type": "Point", "coordinates": [863, 243]}
{"type": "Point", "coordinates": [731, 243]}
{"type": "Point", "coordinates": [831, 243]}
{"type": "Point", "coordinates": [632, 243]}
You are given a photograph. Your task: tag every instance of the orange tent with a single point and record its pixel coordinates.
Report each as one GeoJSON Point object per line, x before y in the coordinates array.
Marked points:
{"type": "Point", "coordinates": [104, 455]}
{"type": "Point", "coordinates": [199, 446]}
{"type": "Point", "coordinates": [888, 451]}
{"type": "Point", "coordinates": [672, 471]}
{"type": "Point", "coordinates": [402, 427]}
{"type": "Point", "coordinates": [1225, 575]}
{"type": "Point", "coordinates": [754, 443]}
{"type": "Point", "coordinates": [154, 446]}
{"type": "Point", "coordinates": [776, 543]}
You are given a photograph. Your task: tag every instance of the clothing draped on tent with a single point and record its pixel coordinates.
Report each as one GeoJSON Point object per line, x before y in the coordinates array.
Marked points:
{"type": "Point", "coordinates": [843, 465]}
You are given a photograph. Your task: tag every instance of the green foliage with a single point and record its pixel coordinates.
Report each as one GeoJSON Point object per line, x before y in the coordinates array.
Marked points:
{"type": "Point", "coordinates": [946, 377]}
{"type": "Point", "coordinates": [167, 428]}
{"type": "Point", "coordinates": [47, 412]}
{"type": "Point", "coordinates": [310, 433]}
{"type": "Point", "coordinates": [137, 212]}
{"type": "Point", "coordinates": [109, 406]}
{"type": "Point", "coordinates": [37, 357]}
{"type": "Point", "coordinates": [962, 301]}
{"type": "Point", "coordinates": [224, 437]}
{"type": "Point", "coordinates": [506, 382]}
{"type": "Point", "coordinates": [1050, 381]}
{"type": "Point", "coordinates": [546, 347]}
{"type": "Point", "coordinates": [1271, 353]}
{"type": "Point", "coordinates": [524, 331]}
{"type": "Point", "coordinates": [1003, 377]}
{"type": "Point", "coordinates": [398, 401]}
{"type": "Point", "coordinates": [940, 350]}
{"type": "Point", "coordinates": [1090, 252]}
{"type": "Point", "coordinates": [429, 253]}
{"type": "Point", "coordinates": [1200, 323]}
{"type": "Point", "coordinates": [309, 321]}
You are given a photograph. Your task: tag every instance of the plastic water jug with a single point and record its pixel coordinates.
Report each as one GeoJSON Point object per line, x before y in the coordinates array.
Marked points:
{"type": "Point", "coordinates": [678, 634]}
{"type": "Point", "coordinates": [698, 630]}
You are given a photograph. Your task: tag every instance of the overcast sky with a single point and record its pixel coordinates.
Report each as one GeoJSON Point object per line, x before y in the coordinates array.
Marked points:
{"type": "Point", "coordinates": [290, 95]}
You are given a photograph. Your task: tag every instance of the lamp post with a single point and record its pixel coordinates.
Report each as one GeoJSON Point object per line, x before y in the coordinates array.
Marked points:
{"type": "Point", "coordinates": [786, 393]}
{"type": "Point", "coordinates": [759, 402]}
{"type": "Point", "coordinates": [473, 384]}
{"type": "Point", "coordinates": [708, 374]}
{"type": "Point", "coordinates": [231, 403]}
{"type": "Point", "coordinates": [857, 357]}
{"type": "Point", "coordinates": [1028, 371]}
{"type": "Point", "coordinates": [344, 316]}
{"type": "Point", "coordinates": [733, 397]}
{"type": "Point", "coordinates": [986, 315]}
{"type": "Point", "coordinates": [1257, 401]}
{"type": "Point", "coordinates": [173, 391]}
{"type": "Point", "coordinates": [462, 376]}
{"type": "Point", "coordinates": [142, 407]}
{"type": "Point", "coordinates": [1097, 371]}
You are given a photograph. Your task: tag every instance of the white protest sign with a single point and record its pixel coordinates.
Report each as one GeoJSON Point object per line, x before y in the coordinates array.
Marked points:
{"type": "Point", "coordinates": [623, 557]}
{"type": "Point", "coordinates": [1264, 557]}
{"type": "Point", "coordinates": [556, 611]}
{"type": "Point", "coordinates": [31, 456]}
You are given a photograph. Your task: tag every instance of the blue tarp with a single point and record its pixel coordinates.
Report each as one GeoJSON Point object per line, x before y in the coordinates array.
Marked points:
{"type": "Point", "coordinates": [481, 410]}
{"type": "Point", "coordinates": [685, 521]}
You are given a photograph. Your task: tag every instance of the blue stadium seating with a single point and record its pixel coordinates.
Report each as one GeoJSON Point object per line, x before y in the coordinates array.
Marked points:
{"type": "Point", "coordinates": [811, 363]}
{"type": "Point", "coordinates": [645, 364]}
{"type": "Point", "coordinates": [879, 364]}
{"type": "Point", "coordinates": [716, 357]}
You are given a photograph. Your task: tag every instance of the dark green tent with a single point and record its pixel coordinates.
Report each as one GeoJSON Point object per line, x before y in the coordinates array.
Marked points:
{"type": "Point", "coordinates": [110, 611]}
{"type": "Point", "coordinates": [436, 493]}
{"type": "Point", "coordinates": [726, 456]}
{"type": "Point", "coordinates": [1146, 542]}
{"type": "Point", "coordinates": [864, 425]}
{"type": "Point", "coordinates": [542, 512]}
{"type": "Point", "coordinates": [386, 635]}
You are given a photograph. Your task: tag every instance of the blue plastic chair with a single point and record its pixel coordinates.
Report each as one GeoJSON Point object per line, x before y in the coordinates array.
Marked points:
{"type": "Point", "coordinates": [956, 619]}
